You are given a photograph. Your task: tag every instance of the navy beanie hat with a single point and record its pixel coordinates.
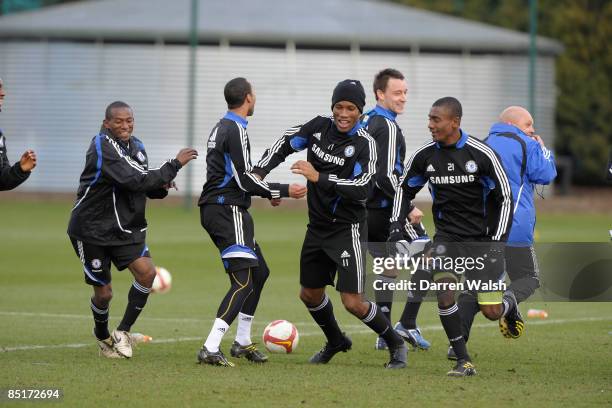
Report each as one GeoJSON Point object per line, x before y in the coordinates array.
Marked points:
{"type": "Point", "coordinates": [349, 90]}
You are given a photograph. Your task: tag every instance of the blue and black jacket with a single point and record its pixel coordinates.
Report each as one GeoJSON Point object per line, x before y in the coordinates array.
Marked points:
{"type": "Point", "coordinates": [526, 164]}
{"type": "Point", "coordinates": [113, 189]}
{"type": "Point", "coordinates": [229, 173]}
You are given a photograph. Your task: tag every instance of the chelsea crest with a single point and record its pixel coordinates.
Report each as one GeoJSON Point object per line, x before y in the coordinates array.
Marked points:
{"type": "Point", "coordinates": [349, 151]}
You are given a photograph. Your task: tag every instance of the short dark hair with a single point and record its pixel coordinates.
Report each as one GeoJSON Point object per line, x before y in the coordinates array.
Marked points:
{"type": "Point", "coordinates": [452, 104]}
{"type": "Point", "coordinates": [236, 91]}
{"type": "Point", "coordinates": [382, 78]}
{"type": "Point", "coordinates": [108, 115]}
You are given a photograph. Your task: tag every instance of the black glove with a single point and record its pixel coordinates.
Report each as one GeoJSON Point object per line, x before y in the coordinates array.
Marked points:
{"type": "Point", "coordinates": [397, 244]}
{"type": "Point", "coordinates": [496, 252]}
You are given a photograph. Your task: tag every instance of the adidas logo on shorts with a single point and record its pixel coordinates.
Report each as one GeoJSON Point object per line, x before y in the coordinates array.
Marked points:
{"type": "Point", "coordinates": [345, 258]}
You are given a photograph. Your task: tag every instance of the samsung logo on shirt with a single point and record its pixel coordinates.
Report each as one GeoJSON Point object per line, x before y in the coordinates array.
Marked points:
{"type": "Point", "coordinates": [326, 156]}
{"type": "Point", "coordinates": [452, 179]}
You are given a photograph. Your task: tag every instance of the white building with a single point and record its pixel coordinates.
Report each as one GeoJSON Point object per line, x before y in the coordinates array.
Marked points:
{"type": "Point", "coordinates": [62, 65]}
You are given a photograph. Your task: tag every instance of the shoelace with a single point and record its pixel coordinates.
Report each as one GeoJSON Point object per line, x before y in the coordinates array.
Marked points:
{"type": "Point", "coordinates": [130, 341]}
{"type": "Point", "coordinates": [251, 347]}
{"type": "Point", "coordinates": [224, 360]}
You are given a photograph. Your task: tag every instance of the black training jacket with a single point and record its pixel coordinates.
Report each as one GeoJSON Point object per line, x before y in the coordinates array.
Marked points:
{"type": "Point", "coordinates": [469, 187]}
{"type": "Point", "coordinates": [113, 189]}
{"type": "Point", "coordinates": [10, 176]}
{"type": "Point", "coordinates": [229, 172]}
{"type": "Point", "coordinates": [391, 148]}
{"type": "Point", "coordinates": [346, 163]}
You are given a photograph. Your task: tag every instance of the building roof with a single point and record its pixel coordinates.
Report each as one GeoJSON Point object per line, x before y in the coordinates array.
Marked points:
{"type": "Point", "coordinates": [368, 23]}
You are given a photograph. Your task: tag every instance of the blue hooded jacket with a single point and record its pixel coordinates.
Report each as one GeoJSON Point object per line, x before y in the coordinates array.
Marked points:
{"type": "Point", "coordinates": [526, 163]}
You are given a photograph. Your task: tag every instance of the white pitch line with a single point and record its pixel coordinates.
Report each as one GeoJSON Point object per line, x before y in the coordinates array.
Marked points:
{"type": "Point", "coordinates": [360, 330]}
{"type": "Point", "coordinates": [77, 316]}
{"type": "Point", "coordinates": [143, 318]}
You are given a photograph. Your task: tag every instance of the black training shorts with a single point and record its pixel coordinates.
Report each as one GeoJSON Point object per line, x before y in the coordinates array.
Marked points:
{"type": "Point", "coordinates": [97, 259]}
{"type": "Point", "coordinates": [232, 230]}
{"type": "Point", "coordinates": [332, 249]}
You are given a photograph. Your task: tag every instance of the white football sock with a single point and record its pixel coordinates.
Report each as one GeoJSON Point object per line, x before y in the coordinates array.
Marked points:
{"type": "Point", "coordinates": [243, 333]}
{"type": "Point", "coordinates": [216, 335]}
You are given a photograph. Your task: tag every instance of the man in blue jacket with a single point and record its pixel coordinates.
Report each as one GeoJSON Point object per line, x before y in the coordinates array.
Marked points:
{"type": "Point", "coordinates": [527, 162]}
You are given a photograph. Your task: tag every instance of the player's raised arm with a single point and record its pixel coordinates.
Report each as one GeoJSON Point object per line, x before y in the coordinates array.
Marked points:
{"type": "Point", "coordinates": [12, 176]}
{"type": "Point", "coordinates": [295, 139]}
{"type": "Point", "coordinates": [243, 170]}
{"type": "Point", "coordinates": [130, 175]}
{"type": "Point", "coordinates": [161, 192]}
{"type": "Point", "coordinates": [541, 167]}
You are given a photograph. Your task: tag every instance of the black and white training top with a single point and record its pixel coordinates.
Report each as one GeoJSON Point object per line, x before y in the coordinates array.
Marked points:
{"type": "Point", "coordinates": [229, 172]}
{"type": "Point", "coordinates": [346, 163]}
{"type": "Point", "coordinates": [469, 187]}
{"type": "Point", "coordinates": [391, 146]}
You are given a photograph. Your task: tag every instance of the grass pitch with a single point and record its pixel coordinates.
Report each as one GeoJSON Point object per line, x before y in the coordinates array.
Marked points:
{"type": "Point", "coordinates": [46, 341]}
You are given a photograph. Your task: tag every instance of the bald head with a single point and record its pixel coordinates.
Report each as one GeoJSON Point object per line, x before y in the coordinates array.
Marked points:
{"type": "Point", "coordinates": [519, 117]}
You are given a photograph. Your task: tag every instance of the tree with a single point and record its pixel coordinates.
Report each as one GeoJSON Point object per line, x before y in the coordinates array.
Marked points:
{"type": "Point", "coordinates": [584, 105]}
{"type": "Point", "coordinates": [584, 102]}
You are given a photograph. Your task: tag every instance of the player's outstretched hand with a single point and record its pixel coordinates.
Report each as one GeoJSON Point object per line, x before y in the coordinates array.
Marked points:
{"type": "Point", "coordinates": [305, 169]}
{"type": "Point", "coordinates": [28, 160]}
{"type": "Point", "coordinates": [170, 185]}
{"type": "Point", "coordinates": [297, 190]}
{"type": "Point", "coordinates": [415, 216]}
{"type": "Point", "coordinates": [186, 155]}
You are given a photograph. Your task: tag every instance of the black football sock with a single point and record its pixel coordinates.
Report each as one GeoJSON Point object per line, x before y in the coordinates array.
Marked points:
{"type": "Point", "coordinates": [415, 298]}
{"type": "Point", "coordinates": [137, 299]}
{"type": "Point", "coordinates": [452, 326]}
{"type": "Point", "coordinates": [384, 297]}
{"type": "Point", "coordinates": [377, 321]}
{"type": "Point", "coordinates": [323, 314]}
{"type": "Point", "coordinates": [468, 309]}
{"type": "Point", "coordinates": [101, 320]}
